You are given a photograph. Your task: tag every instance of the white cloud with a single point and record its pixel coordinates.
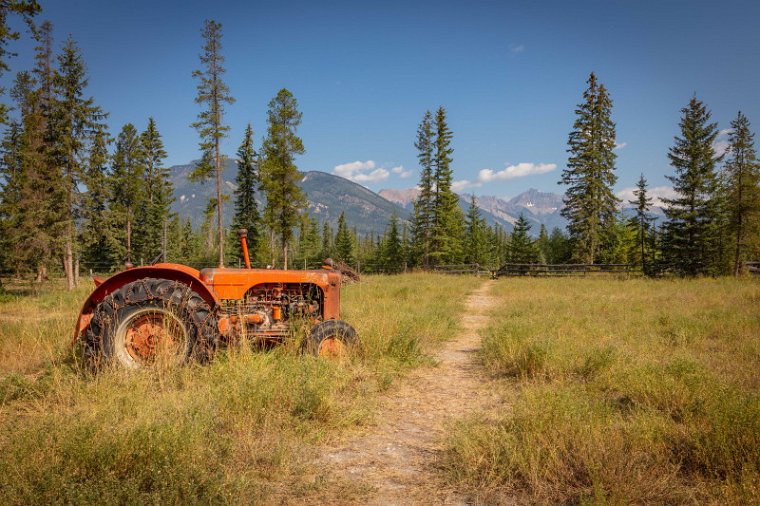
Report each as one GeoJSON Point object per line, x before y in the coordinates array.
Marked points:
{"type": "Point", "coordinates": [620, 145]}
{"type": "Point", "coordinates": [516, 48]}
{"type": "Point", "coordinates": [514, 171]}
{"type": "Point", "coordinates": [367, 172]}
{"type": "Point", "coordinates": [401, 172]}
{"type": "Point", "coordinates": [720, 145]}
{"type": "Point", "coordinates": [462, 184]}
{"type": "Point", "coordinates": [656, 193]}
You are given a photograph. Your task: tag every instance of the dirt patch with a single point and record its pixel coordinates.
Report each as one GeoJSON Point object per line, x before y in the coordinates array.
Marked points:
{"type": "Point", "coordinates": [395, 459]}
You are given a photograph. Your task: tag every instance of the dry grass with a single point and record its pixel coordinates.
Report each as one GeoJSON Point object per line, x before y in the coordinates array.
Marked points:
{"type": "Point", "coordinates": [239, 430]}
{"type": "Point", "coordinates": [635, 391]}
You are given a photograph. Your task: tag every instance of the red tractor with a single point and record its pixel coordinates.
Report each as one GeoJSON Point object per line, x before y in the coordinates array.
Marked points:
{"type": "Point", "coordinates": [173, 313]}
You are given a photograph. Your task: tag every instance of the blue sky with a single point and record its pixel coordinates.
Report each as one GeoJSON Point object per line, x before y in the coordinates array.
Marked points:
{"type": "Point", "coordinates": [509, 73]}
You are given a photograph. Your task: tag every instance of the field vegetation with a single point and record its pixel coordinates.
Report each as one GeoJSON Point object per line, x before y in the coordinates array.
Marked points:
{"type": "Point", "coordinates": [636, 391]}
{"type": "Point", "coordinates": [237, 430]}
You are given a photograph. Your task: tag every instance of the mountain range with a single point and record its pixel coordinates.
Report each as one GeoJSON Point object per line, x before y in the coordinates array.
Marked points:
{"type": "Point", "coordinates": [366, 211]}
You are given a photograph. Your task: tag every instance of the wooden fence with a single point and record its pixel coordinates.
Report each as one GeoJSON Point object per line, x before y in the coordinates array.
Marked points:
{"type": "Point", "coordinates": [564, 269]}
{"type": "Point", "coordinates": [753, 267]}
{"type": "Point", "coordinates": [475, 269]}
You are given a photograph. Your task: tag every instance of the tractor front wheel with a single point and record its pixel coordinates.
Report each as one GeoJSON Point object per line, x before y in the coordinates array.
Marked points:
{"type": "Point", "coordinates": [332, 339]}
{"type": "Point", "coordinates": [151, 322]}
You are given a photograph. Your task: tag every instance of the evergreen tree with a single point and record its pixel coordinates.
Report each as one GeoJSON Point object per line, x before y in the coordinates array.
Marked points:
{"type": "Point", "coordinates": [542, 244]}
{"type": "Point", "coordinates": [279, 174]}
{"type": "Point", "coordinates": [11, 185]}
{"type": "Point", "coordinates": [127, 189]}
{"type": "Point", "coordinates": [344, 246]}
{"type": "Point", "coordinates": [742, 187]}
{"type": "Point", "coordinates": [247, 179]}
{"type": "Point", "coordinates": [328, 248]}
{"type": "Point", "coordinates": [691, 232]}
{"type": "Point", "coordinates": [448, 220]}
{"type": "Point", "coordinates": [522, 248]}
{"type": "Point", "coordinates": [100, 249]}
{"type": "Point", "coordinates": [76, 120]}
{"type": "Point", "coordinates": [424, 205]}
{"type": "Point", "coordinates": [154, 209]}
{"type": "Point", "coordinates": [26, 9]}
{"type": "Point", "coordinates": [475, 245]}
{"type": "Point", "coordinates": [590, 204]}
{"type": "Point", "coordinates": [214, 93]}
{"type": "Point", "coordinates": [560, 250]}
{"type": "Point", "coordinates": [642, 220]}
{"type": "Point", "coordinates": [309, 241]}
{"type": "Point", "coordinates": [393, 252]}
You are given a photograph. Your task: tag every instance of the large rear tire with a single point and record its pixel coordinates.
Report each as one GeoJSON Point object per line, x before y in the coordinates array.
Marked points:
{"type": "Point", "coordinates": [151, 322]}
{"type": "Point", "coordinates": [332, 339]}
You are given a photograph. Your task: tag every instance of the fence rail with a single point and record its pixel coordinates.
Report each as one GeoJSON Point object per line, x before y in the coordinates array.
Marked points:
{"type": "Point", "coordinates": [475, 269]}
{"type": "Point", "coordinates": [564, 269]}
{"type": "Point", "coordinates": [753, 267]}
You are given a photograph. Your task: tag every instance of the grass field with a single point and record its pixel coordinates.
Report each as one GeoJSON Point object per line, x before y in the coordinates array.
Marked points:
{"type": "Point", "coordinates": [238, 430]}
{"type": "Point", "coordinates": [636, 391]}
{"type": "Point", "coordinates": [616, 391]}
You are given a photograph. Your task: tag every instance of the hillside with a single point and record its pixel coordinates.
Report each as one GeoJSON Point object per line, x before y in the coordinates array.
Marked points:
{"type": "Point", "coordinates": [327, 195]}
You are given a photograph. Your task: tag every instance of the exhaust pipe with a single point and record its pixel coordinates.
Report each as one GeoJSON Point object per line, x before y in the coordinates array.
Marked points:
{"type": "Point", "coordinates": [243, 233]}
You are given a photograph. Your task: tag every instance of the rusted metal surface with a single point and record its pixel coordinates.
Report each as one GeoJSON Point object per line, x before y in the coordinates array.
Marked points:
{"type": "Point", "coordinates": [243, 234]}
{"type": "Point", "coordinates": [331, 347]}
{"type": "Point", "coordinates": [244, 303]}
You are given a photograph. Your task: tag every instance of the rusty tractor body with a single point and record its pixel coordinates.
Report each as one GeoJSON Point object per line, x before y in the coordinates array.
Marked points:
{"type": "Point", "coordinates": [172, 312]}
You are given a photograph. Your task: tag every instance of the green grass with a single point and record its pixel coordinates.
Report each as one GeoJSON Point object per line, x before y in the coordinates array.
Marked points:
{"type": "Point", "coordinates": [242, 429]}
{"type": "Point", "coordinates": [637, 391]}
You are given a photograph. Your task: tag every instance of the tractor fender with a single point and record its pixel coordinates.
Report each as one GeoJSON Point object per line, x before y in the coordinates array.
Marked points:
{"type": "Point", "coordinates": [174, 272]}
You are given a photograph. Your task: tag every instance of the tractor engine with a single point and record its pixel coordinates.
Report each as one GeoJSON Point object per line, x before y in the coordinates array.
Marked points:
{"type": "Point", "coordinates": [269, 311]}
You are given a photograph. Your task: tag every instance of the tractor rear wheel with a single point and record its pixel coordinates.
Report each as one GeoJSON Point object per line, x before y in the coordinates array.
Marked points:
{"type": "Point", "coordinates": [151, 322]}
{"type": "Point", "coordinates": [332, 339]}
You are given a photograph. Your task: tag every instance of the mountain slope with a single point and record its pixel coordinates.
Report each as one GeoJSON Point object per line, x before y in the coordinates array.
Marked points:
{"type": "Point", "coordinates": [327, 196]}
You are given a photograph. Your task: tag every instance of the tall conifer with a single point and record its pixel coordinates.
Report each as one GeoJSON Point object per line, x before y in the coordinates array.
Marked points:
{"type": "Point", "coordinates": [214, 93]}
{"type": "Point", "coordinates": [424, 205]}
{"type": "Point", "coordinates": [742, 187]}
{"type": "Point", "coordinates": [247, 179]}
{"type": "Point", "coordinates": [278, 171]}
{"type": "Point", "coordinates": [590, 204]}
{"type": "Point", "coordinates": [691, 235]}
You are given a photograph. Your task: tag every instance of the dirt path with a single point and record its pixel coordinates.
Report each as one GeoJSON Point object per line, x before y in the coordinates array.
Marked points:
{"type": "Point", "coordinates": [396, 458]}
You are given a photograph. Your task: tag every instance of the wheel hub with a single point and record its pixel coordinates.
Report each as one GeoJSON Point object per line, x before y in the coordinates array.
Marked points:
{"type": "Point", "coordinates": [147, 335]}
{"type": "Point", "coordinates": [331, 347]}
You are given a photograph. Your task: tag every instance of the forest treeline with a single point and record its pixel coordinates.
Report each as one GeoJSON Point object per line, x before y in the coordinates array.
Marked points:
{"type": "Point", "coordinates": [73, 198]}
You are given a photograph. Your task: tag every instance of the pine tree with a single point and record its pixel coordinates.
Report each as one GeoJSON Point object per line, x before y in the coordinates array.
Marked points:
{"type": "Point", "coordinates": [475, 246]}
{"type": "Point", "coordinates": [691, 232]}
{"type": "Point", "coordinates": [590, 204]}
{"type": "Point", "coordinates": [153, 213]}
{"type": "Point", "coordinates": [522, 248]}
{"type": "Point", "coordinates": [448, 220]}
{"type": "Point", "coordinates": [328, 248]}
{"type": "Point", "coordinates": [542, 244]}
{"type": "Point", "coordinates": [100, 249]}
{"type": "Point", "coordinates": [393, 254]}
{"type": "Point", "coordinates": [26, 9]}
{"type": "Point", "coordinates": [278, 171]}
{"type": "Point", "coordinates": [11, 185]}
{"type": "Point", "coordinates": [423, 216]}
{"type": "Point", "coordinates": [344, 246]}
{"type": "Point", "coordinates": [642, 220]}
{"type": "Point", "coordinates": [127, 188]}
{"type": "Point", "coordinates": [247, 179]}
{"type": "Point", "coordinates": [76, 120]}
{"type": "Point", "coordinates": [560, 250]}
{"type": "Point", "coordinates": [214, 93]}
{"type": "Point", "coordinates": [741, 176]}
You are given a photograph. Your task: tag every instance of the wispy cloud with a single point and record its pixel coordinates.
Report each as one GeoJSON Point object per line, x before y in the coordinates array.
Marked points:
{"type": "Point", "coordinates": [514, 171]}
{"type": "Point", "coordinates": [510, 172]}
{"type": "Point", "coordinates": [361, 172]}
{"type": "Point", "coordinates": [516, 48]}
{"type": "Point", "coordinates": [720, 145]}
{"type": "Point", "coordinates": [657, 193]}
{"type": "Point", "coordinates": [620, 145]}
{"type": "Point", "coordinates": [401, 172]}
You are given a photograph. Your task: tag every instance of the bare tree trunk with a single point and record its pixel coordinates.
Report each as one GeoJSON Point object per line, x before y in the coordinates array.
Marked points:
{"type": "Point", "coordinates": [164, 240]}
{"type": "Point", "coordinates": [76, 271]}
{"type": "Point", "coordinates": [129, 240]}
{"type": "Point", "coordinates": [68, 261]}
{"type": "Point", "coordinates": [219, 223]}
{"type": "Point", "coordinates": [285, 254]}
{"type": "Point", "coordinates": [41, 273]}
